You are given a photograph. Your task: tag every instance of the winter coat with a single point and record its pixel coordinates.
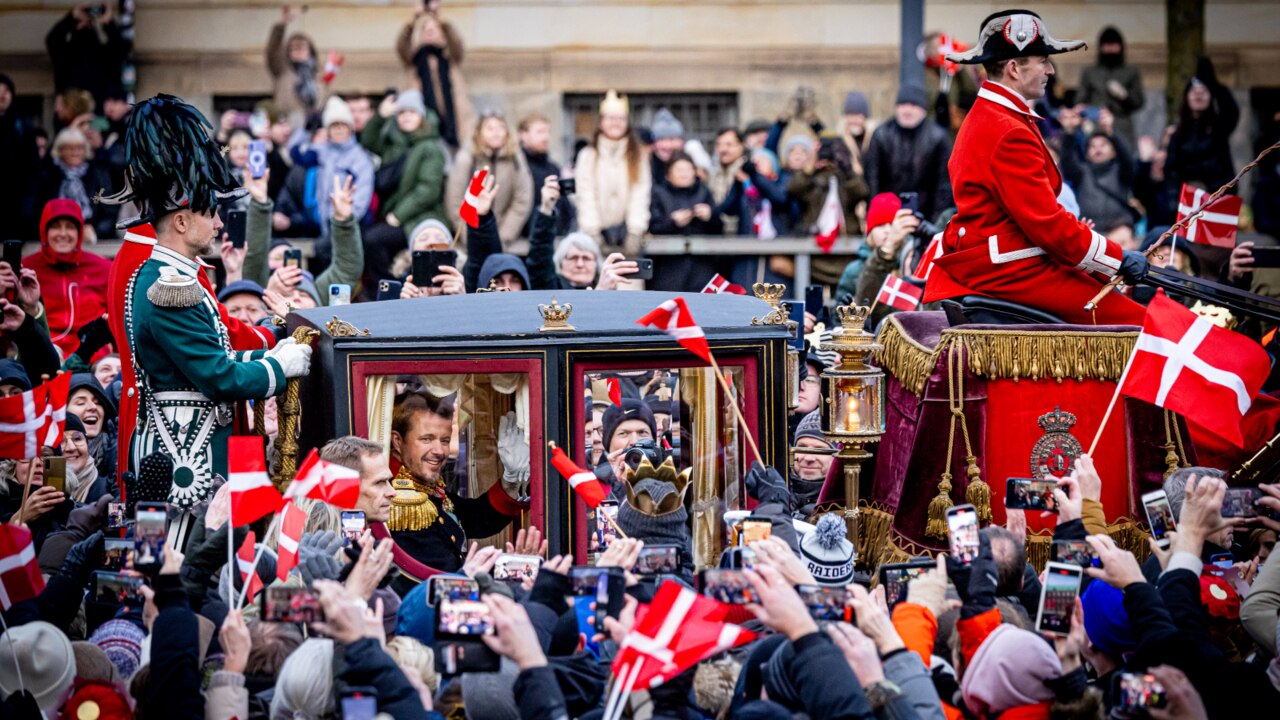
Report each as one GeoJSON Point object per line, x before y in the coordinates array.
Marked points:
{"type": "Point", "coordinates": [810, 189]}
{"type": "Point", "coordinates": [420, 194]}
{"type": "Point", "coordinates": [541, 263]}
{"type": "Point", "coordinates": [284, 75]}
{"type": "Point", "coordinates": [87, 58]}
{"type": "Point", "coordinates": [902, 160]}
{"type": "Point", "coordinates": [337, 161]}
{"type": "Point", "coordinates": [73, 286]}
{"type": "Point", "coordinates": [606, 195]}
{"type": "Point", "coordinates": [347, 257]}
{"type": "Point", "coordinates": [297, 201]}
{"type": "Point", "coordinates": [667, 199]}
{"type": "Point", "coordinates": [441, 91]}
{"type": "Point", "coordinates": [1093, 91]}
{"type": "Point", "coordinates": [1200, 151]}
{"type": "Point", "coordinates": [721, 184]}
{"type": "Point", "coordinates": [541, 166]}
{"type": "Point", "coordinates": [364, 663]}
{"type": "Point", "coordinates": [1103, 190]}
{"type": "Point", "coordinates": [175, 654]}
{"type": "Point", "coordinates": [514, 201]}
{"type": "Point", "coordinates": [95, 179]}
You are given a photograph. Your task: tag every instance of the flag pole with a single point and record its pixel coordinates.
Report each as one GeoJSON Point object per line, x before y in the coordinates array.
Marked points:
{"type": "Point", "coordinates": [26, 491]}
{"type": "Point", "coordinates": [231, 556]}
{"type": "Point", "coordinates": [746, 429]}
{"type": "Point", "coordinates": [244, 589]}
{"type": "Point", "coordinates": [615, 691]}
{"type": "Point", "coordinates": [1111, 405]}
{"type": "Point", "coordinates": [17, 666]}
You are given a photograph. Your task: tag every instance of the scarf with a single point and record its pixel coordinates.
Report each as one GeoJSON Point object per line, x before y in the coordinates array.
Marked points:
{"type": "Point", "coordinates": [304, 83]}
{"type": "Point", "coordinates": [72, 187]}
{"type": "Point", "coordinates": [437, 88]}
{"type": "Point", "coordinates": [83, 483]}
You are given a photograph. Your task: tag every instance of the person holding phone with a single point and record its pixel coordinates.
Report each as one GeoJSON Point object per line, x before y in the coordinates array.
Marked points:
{"type": "Point", "coordinates": [574, 263]}
{"type": "Point", "coordinates": [71, 283]}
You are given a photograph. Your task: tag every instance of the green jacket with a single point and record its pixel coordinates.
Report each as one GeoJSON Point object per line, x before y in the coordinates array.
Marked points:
{"type": "Point", "coordinates": [420, 194]}
{"type": "Point", "coordinates": [348, 251]}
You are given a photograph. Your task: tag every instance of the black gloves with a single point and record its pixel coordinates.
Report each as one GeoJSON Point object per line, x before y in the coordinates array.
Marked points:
{"type": "Point", "coordinates": [767, 486]}
{"type": "Point", "coordinates": [93, 336]}
{"type": "Point", "coordinates": [975, 582]}
{"type": "Point", "coordinates": [1133, 268]}
{"type": "Point", "coordinates": [206, 554]}
{"type": "Point", "coordinates": [83, 558]}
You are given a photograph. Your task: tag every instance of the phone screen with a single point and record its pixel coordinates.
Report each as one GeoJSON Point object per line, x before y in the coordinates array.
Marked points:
{"type": "Point", "coordinates": [895, 577]}
{"type": "Point", "coordinates": [1030, 494]}
{"type": "Point", "coordinates": [464, 617]}
{"type": "Point", "coordinates": [1159, 516]}
{"type": "Point", "coordinates": [753, 530]}
{"type": "Point", "coordinates": [657, 560]}
{"type": "Point", "coordinates": [604, 516]}
{"type": "Point", "coordinates": [115, 516]}
{"type": "Point", "coordinates": [453, 588]}
{"type": "Point", "coordinates": [1135, 692]}
{"type": "Point", "coordinates": [728, 586]}
{"type": "Point", "coordinates": [352, 526]}
{"type": "Point", "coordinates": [1058, 598]}
{"type": "Point", "coordinates": [291, 605]}
{"type": "Point", "coordinates": [1072, 552]}
{"type": "Point", "coordinates": [359, 707]}
{"type": "Point", "coordinates": [962, 528]}
{"type": "Point", "coordinates": [115, 553]}
{"type": "Point", "coordinates": [515, 568]}
{"type": "Point", "coordinates": [1239, 502]}
{"type": "Point", "coordinates": [113, 588]}
{"type": "Point", "coordinates": [826, 603]}
{"type": "Point", "coordinates": [149, 535]}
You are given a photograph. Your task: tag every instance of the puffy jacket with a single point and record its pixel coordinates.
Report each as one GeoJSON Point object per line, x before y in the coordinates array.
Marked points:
{"type": "Point", "coordinates": [420, 194]}
{"type": "Point", "coordinates": [915, 159]}
{"type": "Point", "coordinates": [73, 285]}
{"type": "Point", "coordinates": [667, 199]}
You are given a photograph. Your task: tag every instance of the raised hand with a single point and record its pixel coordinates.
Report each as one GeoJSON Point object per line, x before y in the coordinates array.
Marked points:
{"type": "Point", "coordinates": [342, 198]}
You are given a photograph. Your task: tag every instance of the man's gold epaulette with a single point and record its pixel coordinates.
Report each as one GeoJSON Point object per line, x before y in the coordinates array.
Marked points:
{"type": "Point", "coordinates": [175, 290]}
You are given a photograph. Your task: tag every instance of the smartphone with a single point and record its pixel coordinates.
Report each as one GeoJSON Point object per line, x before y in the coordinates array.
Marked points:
{"type": "Point", "coordinates": [235, 227]}
{"type": "Point", "coordinates": [149, 536]}
{"type": "Point", "coordinates": [284, 604]}
{"type": "Point", "coordinates": [568, 186]}
{"type": "Point", "coordinates": [339, 294]}
{"type": "Point", "coordinates": [115, 516]}
{"type": "Point", "coordinates": [389, 290]}
{"type": "Point", "coordinates": [1073, 552]}
{"type": "Point", "coordinates": [1239, 502]}
{"type": "Point", "coordinates": [1267, 257]}
{"type": "Point", "coordinates": [115, 553]}
{"type": "Point", "coordinates": [13, 255]}
{"type": "Point", "coordinates": [515, 568]}
{"type": "Point", "coordinates": [607, 586]}
{"type": "Point", "coordinates": [910, 201]}
{"type": "Point", "coordinates": [358, 705]}
{"type": "Point", "coordinates": [733, 527]}
{"type": "Point", "coordinates": [728, 586]}
{"type": "Point", "coordinates": [742, 558]}
{"type": "Point", "coordinates": [257, 159]}
{"type": "Point", "coordinates": [895, 576]}
{"type": "Point", "coordinates": [826, 603]}
{"type": "Point", "coordinates": [644, 270]}
{"type": "Point", "coordinates": [815, 300]}
{"type": "Point", "coordinates": [606, 516]}
{"type": "Point", "coordinates": [1159, 516]}
{"type": "Point", "coordinates": [293, 258]}
{"type": "Point", "coordinates": [352, 526]}
{"type": "Point", "coordinates": [658, 560]}
{"type": "Point", "coordinates": [962, 530]}
{"type": "Point", "coordinates": [452, 587]}
{"type": "Point", "coordinates": [427, 263]}
{"type": "Point", "coordinates": [1058, 598]}
{"type": "Point", "coordinates": [115, 588]}
{"type": "Point", "coordinates": [1137, 691]}
{"type": "Point", "coordinates": [1030, 494]}
{"type": "Point", "coordinates": [1225, 561]}
{"type": "Point", "coordinates": [463, 618]}
{"type": "Point", "coordinates": [754, 529]}
{"type": "Point", "coordinates": [55, 473]}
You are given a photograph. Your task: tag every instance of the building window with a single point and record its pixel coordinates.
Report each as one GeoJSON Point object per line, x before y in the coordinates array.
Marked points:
{"type": "Point", "coordinates": [702, 114]}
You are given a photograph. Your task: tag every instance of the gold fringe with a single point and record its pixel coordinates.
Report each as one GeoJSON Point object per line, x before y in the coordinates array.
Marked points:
{"type": "Point", "coordinates": [412, 518]}
{"type": "Point", "coordinates": [874, 526]}
{"type": "Point", "coordinates": [978, 493]}
{"type": "Point", "coordinates": [905, 359]}
{"type": "Point", "coordinates": [180, 292]}
{"type": "Point", "coordinates": [938, 507]}
{"type": "Point", "coordinates": [1124, 531]}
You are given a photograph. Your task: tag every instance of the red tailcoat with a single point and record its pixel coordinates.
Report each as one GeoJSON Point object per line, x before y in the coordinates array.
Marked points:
{"type": "Point", "coordinates": [135, 251]}
{"type": "Point", "coordinates": [1009, 238]}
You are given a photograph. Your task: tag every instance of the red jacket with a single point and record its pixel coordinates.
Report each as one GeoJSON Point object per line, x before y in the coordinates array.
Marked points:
{"type": "Point", "coordinates": [73, 285]}
{"type": "Point", "coordinates": [1009, 237]}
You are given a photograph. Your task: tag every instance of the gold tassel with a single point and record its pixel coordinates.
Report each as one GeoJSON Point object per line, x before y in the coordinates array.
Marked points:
{"type": "Point", "coordinates": [1038, 550]}
{"type": "Point", "coordinates": [874, 526]}
{"type": "Point", "coordinates": [978, 493]}
{"type": "Point", "coordinates": [937, 526]}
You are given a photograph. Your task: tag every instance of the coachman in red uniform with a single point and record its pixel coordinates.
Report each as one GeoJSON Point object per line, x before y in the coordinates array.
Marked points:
{"type": "Point", "coordinates": [1009, 238]}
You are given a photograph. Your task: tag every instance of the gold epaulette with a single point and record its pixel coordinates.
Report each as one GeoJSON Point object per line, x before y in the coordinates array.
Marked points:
{"type": "Point", "coordinates": [173, 289]}
{"type": "Point", "coordinates": [412, 509]}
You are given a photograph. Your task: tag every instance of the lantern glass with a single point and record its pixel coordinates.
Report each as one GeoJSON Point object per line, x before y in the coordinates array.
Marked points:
{"type": "Point", "coordinates": [856, 405]}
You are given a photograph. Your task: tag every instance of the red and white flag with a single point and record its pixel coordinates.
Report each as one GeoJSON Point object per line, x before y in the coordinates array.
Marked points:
{"type": "Point", "coordinates": [898, 293]}
{"type": "Point", "coordinates": [1217, 224]}
{"type": "Point", "coordinates": [252, 494]}
{"type": "Point", "coordinates": [20, 577]}
{"type": "Point", "coordinates": [614, 386]}
{"type": "Point", "coordinates": [332, 66]}
{"type": "Point", "coordinates": [468, 211]}
{"type": "Point", "coordinates": [1185, 363]}
{"type": "Point", "coordinates": [830, 219]}
{"type": "Point", "coordinates": [676, 631]}
{"type": "Point", "coordinates": [248, 573]}
{"type": "Point", "coordinates": [719, 285]}
{"type": "Point", "coordinates": [931, 253]}
{"type": "Point", "coordinates": [34, 419]}
{"type": "Point", "coordinates": [673, 318]}
{"type": "Point", "coordinates": [583, 482]}
{"type": "Point", "coordinates": [292, 522]}
{"type": "Point", "coordinates": [337, 485]}
{"type": "Point", "coordinates": [762, 223]}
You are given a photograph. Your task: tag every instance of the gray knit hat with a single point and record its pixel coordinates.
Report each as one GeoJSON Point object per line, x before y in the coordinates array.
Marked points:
{"type": "Point", "coordinates": [855, 103]}
{"type": "Point", "coordinates": [795, 141]}
{"type": "Point", "coordinates": [411, 100]}
{"type": "Point", "coordinates": [665, 125]}
{"type": "Point", "coordinates": [811, 427]}
{"type": "Point", "coordinates": [912, 95]}
{"type": "Point", "coordinates": [828, 553]}
{"type": "Point", "coordinates": [671, 528]}
{"type": "Point", "coordinates": [424, 225]}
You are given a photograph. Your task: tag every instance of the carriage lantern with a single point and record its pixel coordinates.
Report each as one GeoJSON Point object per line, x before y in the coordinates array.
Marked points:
{"type": "Point", "coordinates": [853, 397]}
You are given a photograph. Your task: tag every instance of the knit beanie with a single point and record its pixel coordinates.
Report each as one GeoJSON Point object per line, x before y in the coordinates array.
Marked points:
{"type": "Point", "coordinates": [411, 101]}
{"type": "Point", "coordinates": [308, 285]}
{"type": "Point", "coordinates": [337, 111]}
{"type": "Point", "coordinates": [801, 141]}
{"type": "Point", "coordinates": [883, 208]}
{"type": "Point", "coordinates": [827, 552]}
{"type": "Point", "coordinates": [93, 664]}
{"type": "Point", "coordinates": [1106, 622]}
{"type": "Point", "coordinates": [630, 409]}
{"type": "Point", "coordinates": [911, 95]}
{"type": "Point", "coordinates": [416, 617]}
{"type": "Point", "coordinates": [121, 640]}
{"type": "Point", "coordinates": [855, 103]}
{"type": "Point", "coordinates": [665, 125]}
{"type": "Point", "coordinates": [43, 656]}
{"type": "Point", "coordinates": [97, 701]}
{"type": "Point", "coordinates": [671, 528]}
{"type": "Point", "coordinates": [811, 427]}
{"type": "Point", "coordinates": [1009, 670]}
{"type": "Point", "coordinates": [491, 695]}
{"type": "Point", "coordinates": [424, 226]}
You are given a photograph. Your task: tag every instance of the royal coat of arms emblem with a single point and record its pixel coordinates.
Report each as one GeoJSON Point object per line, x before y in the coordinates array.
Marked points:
{"type": "Point", "coordinates": [1055, 454]}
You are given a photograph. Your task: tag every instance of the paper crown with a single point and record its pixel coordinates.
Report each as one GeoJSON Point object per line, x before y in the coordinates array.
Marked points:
{"type": "Point", "coordinates": [666, 472]}
{"type": "Point", "coordinates": [614, 103]}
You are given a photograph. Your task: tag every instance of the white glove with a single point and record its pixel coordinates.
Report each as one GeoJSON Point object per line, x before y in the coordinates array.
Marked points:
{"type": "Point", "coordinates": [294, 359]}
{"type": "Point", "coordinates": [280, 346]}
{"type": "Point", "coordinates": [514, 453]}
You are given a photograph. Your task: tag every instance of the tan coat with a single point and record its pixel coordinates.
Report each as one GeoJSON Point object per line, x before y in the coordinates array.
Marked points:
{"type": "Point", "coordinates": [606, 196]}
{"type": "Point", "coordinates": [407, 45]}
{"type": "Point", "coordinates": [282, 75]}
{"type": "Point", "coordinates": [514, 201]}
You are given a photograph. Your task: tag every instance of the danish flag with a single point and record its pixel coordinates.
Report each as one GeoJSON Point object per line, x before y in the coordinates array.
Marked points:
{"type": "Point", "coordinates": [719, 284]}
{"type": "Point", "coordinates": [1217, 224]}
{"type": "Point", "coordinates": [34, 419]}
{"type": "Point", "coordinates": [252, 494]}
{"type": "Point", "coordinates": [762, 222]}
{"type": "Point", "coordinates": [585, 483]}
{"type": "Point", "coordinates": [20, 577]}
{"type": "Point", "coordinates": [931, 253]}
{"type": "Point", "coordinates": [468, 211]}
{"type": "Point", "coordinates": [292, 521]}
{"type": "Point", "coordinates": [1185, 363]}
{"type": "Point", "coordinates": [678, 630]}
{"type": "Point", "coordinates": [248, 571]}
{"type": "Point", "coordinates": [673, 318]}
{"type": "Point", "coordinates": [899, 293]}
{"type": "Point", "coordinates": [317, 479]}
{"type": "Point", "coordinates": [830, 219]}
{"type": "Point", "coordinates": [332, 66]}
{"type": "Point", "coordinates": [614, 387]}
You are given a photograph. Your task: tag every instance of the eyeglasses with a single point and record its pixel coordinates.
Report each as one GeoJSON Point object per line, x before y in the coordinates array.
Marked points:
{"type": "Point", "coordinates": [812, 380]}
{"type": "Point", "coordinates": [579, 259]}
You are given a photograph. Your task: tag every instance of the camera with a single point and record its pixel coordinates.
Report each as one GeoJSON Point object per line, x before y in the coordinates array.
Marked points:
{"type": "Point", "coordinates": [642, 449]}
